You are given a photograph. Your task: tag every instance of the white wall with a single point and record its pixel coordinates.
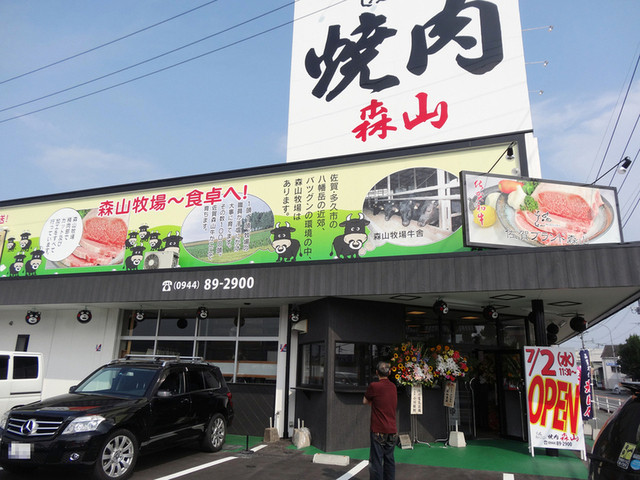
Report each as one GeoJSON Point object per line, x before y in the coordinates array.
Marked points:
{"type": "Point", "coordinates": [71, 350]}
{"type": "Point", "coordinates": [282, 393]}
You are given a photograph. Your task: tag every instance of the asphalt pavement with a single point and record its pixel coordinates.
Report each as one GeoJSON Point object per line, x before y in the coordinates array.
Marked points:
{"type": "Point", "coordinates": [276, 460]}
{"type": "Point", "coordinates": [280, 460]}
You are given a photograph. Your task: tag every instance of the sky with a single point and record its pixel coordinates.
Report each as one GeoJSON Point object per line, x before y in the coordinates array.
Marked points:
{"type": "Point", "coordinates": [222, 103]}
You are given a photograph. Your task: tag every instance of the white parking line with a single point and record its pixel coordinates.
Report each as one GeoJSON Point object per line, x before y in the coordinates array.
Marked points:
{"type": "Point", "coordinates": [507, 476]}
{"type": "Point", "coordinates": [354, 471]}
{"type": "Point", "coordinates": [195, 469]}
{"type": "Point", "coordinates": [206, 465]}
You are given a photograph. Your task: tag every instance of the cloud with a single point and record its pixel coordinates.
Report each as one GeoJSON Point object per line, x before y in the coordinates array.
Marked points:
{"type": "Point", "coordinates": [77, 168]}
{"type": "Point", "coordinates": [574, 135]}
{"type": "Point", "coordinates": [571, 135]}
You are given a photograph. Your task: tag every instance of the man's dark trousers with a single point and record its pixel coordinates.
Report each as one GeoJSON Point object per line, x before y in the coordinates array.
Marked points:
{"type": "Point", "coordinates": [382, 465]}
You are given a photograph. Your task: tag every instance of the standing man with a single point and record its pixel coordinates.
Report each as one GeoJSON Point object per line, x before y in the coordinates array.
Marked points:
{"type": "Point", "coordinates": [383, 398]}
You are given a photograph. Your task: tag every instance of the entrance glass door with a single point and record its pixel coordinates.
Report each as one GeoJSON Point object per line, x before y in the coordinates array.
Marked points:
{"type": "Point", "coordinates": [498, 392]}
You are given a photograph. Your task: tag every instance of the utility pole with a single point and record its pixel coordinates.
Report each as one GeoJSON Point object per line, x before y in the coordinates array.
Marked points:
{"type": "Point", "coordinates": [613, 353]}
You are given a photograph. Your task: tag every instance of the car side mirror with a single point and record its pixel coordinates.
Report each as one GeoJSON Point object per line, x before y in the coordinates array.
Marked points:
{"type": "Point", "coordinates": [164, 393]}
{"type": "Point", "coordinates": [73, 388]}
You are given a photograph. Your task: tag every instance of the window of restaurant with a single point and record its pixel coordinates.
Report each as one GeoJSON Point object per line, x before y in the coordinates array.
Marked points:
{"type": "Point", "coordinates": [242, 342]}
{"type": "Point", "coordinates": [355, 364]}
{"type": "Point", "coordinates": [312, 363]}
{"type": "Point", "coordinates": [457, 328]}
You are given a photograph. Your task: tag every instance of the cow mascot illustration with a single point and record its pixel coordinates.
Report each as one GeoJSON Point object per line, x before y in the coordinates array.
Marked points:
{"type": "Point", "coordinates": [18, 263]}
{"type": "Point", "coordinates": [144, 233]}
{"type": "Point", "coordinates": [155, 243]}
{"type": "Point", "coordinates": [172, 242]}
{"type": "Point", "coordinates": [33, 263]}
{"type": "Point", "coordinates": [348, 245]}
{"type": "Point", "coordinates": [25, 241]}
{"type": "Point", "coordinates": [135, 259]}
{"type": "Point", "coordinates": [285, 246]}
{"type": "Point", "coordinates": [132, 241]}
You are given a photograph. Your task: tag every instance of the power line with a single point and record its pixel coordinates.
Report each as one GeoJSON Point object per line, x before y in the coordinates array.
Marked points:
{"type": "Point", "coordinates": [102, 77]}
{"type": "Point", "coordinates": [251, 37]}
{"type": "Point", "coordinates": [631, 200]}
{"type": "Point", "coordinates": [105, 44]}
{"type": "Point", "coordinates": [608, 126]}
{"type": "Point", "coordinates": [624, 101]}
{"type": "Point", "coordinates": [632, 211]}
{"type": "Point", "coordinates": [624, 151]}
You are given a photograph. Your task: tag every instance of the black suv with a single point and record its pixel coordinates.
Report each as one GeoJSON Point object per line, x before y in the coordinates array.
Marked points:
{"type": "Point", "coordinates": [127, 405]}
{"type": "Point", "coordinates": [616, 452]}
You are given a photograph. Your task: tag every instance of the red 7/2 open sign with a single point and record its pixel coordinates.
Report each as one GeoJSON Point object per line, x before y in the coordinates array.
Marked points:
{"type": "Point", "coordinates": [553, 399]}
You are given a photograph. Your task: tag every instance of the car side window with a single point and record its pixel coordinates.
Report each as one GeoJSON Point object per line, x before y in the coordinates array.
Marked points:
{"type": "Point", "coordinates": [25, 367]}
{"type": "Point", "coordinates": [210, 380]}
{"type": "Point", "coordinates": [4, 367]}
{"type": "Point", "coordinates": [174, 383]}
{"type": "Point", "coordinates": [196, 382]}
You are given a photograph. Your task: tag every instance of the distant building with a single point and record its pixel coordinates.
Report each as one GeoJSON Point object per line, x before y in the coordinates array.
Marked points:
{"type": "Point", "coordinates": [609, 370]}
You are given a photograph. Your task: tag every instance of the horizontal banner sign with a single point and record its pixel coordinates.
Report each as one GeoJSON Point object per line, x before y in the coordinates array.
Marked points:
{"type": "Point", "coordinates": [501, 211]}
{"type": "Point", "coordinates": [383, 208]}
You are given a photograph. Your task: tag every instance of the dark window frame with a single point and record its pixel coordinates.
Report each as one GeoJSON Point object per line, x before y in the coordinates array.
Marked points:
{"type": "Point", "coordinates": [367, 355]}
{"type": "Point", "coordinates": [303, 366]}
{"type": "Point", "coordinates": [25, 367]}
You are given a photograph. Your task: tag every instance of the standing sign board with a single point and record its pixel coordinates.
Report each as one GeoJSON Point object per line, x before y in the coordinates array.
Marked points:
{"type": "Point", "coordinates": [449, 395]}
{"type": "Point", "coordinates": [416, 400]}
{"type": "Point", "coordinates": [373, 75]}
{"type": "Point", "coordinates": [553, 399]}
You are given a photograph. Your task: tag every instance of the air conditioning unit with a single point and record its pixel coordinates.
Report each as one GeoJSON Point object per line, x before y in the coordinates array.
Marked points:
{"type": "Point", "coordinates": [160, 259]}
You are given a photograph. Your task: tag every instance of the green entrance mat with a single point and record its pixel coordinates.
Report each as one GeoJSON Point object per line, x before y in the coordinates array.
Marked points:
{"type": "Point", "coordinates": [497, 455]}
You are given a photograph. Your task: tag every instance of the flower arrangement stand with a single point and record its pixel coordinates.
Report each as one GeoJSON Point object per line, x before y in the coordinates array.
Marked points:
{"type": "Point", "coordinates": [414, 431]}
{"type": "Point", "coordinates": [456, 438]}
{"type": "Point", "coordinates": [416, 409]}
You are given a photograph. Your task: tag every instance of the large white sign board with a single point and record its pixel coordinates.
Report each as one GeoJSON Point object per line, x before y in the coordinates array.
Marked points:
{"type": "Point", "coordinates": [372, 75]}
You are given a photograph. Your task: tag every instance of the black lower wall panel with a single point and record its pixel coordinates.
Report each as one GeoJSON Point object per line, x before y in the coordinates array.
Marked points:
{"type": "Point", "coordinates": [253, 405]}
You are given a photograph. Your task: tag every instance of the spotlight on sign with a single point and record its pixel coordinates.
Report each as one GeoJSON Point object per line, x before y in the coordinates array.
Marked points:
{"type": "Point", "coordinates": [32, 317]}
{"type": "Point", "coordinates": [202, 313]}
{"type": "Point", "coordinates": [84, 316]}
{"type": "Point", "coordinates": [578, 324]}
{"type": "Point", "coordinates": [440, 307]}
{"type": "Point", "coordinates": [490, 313]}
{"type": "Point", "coordinates": [625, 163]}
{"type": "Point", "coordinates": [510, 155]}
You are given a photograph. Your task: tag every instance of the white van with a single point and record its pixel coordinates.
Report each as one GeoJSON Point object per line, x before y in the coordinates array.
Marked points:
{"type": "Point", "coordinates": [21, 376]}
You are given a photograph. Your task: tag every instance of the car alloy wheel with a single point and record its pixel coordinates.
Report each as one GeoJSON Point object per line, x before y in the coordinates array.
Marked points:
{"type": "Point", "coordinates": [118, 456]}
{"type": "Point", "coordinates": [215, 434]}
